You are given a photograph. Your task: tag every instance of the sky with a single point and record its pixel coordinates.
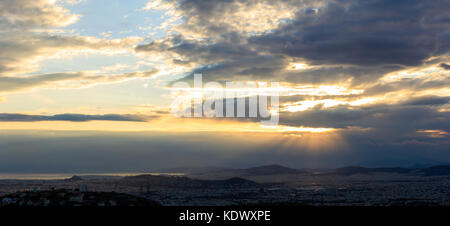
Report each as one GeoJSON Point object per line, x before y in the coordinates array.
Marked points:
{"type": "Point", "coordinates": [87, 85]}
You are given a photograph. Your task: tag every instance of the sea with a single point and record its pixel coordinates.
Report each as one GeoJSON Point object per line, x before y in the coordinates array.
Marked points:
{"type": "Point", "coordinates": [59, 176]}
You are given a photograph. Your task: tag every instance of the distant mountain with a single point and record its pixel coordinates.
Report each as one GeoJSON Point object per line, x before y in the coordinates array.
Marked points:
{"type": "Point", "coordinates": [422, 166]}
{"type": "Point", "coordinates": [317, 170]}
{"type": "Point", "coordinates": [269, 170]}
{"type": "Point", "coordinates": [351, 170]}
{"type": "Point", "coordinates": [74, 178]}
{"type": "Point", "coordinates": [440, 170]}
{"type": "Point", "coordinates": [192, 169]}
{"type": "Point", "coordinates": [222, 172]}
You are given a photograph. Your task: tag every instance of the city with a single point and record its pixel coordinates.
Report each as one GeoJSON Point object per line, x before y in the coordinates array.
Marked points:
{"type": "Point", "coordinates": [278, 186]}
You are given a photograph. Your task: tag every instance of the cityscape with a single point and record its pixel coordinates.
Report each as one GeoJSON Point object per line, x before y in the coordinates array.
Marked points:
{"type": "Point", "coordinates": [258, 186]}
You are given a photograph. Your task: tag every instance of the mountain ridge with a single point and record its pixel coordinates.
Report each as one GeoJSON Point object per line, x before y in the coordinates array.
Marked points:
{"type": "Point", "coordinates": [274, 169]}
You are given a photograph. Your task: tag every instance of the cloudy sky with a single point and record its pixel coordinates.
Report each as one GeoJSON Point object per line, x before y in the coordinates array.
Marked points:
{"type": "Point", "coordinates": [85, 85]}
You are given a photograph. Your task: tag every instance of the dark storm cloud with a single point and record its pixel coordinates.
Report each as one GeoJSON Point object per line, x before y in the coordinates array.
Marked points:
{"type": "Point", "coordinates": [365, 33]}
{"type": "Point", "coordinates": [225, 52]}
{"type": "Point", "coordinates": [229, 58]}
{"type": "Point", "coordinates": [216, 17]}
{"type": "Point", "coordinates": [202, 52]}
{"type": "Point", "coordinates": [73, 117]}
{"type": "Point", "coordinates": [336, 74]}
{"type": "Point", "coordinates": [295, 98]}
{"type": "Point", "coordinates": [428, 100]}
{"type": "Point", "coordinates": [76, 79]}
{"type": "Point", "coordinates": [344, 39]}
{"type": "Point", "coordinates": [251, 68]}
{"type": "Point", "coordinates": [407, 84]}
{"type": "Point", "coordinates": [357, 41]}
{"type": "Point", "coordinates": [396, 119]}
{"type": "Point", "coordinates": [352, 40]}
{"type": "Point", "coordinates": [445, 66]}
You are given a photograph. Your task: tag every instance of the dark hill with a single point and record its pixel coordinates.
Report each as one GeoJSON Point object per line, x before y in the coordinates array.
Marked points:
{"type": "Point", "coordinates": [74, 178]}
{"type": "Point", "coordinates": [269, 170]}
{"type": "Point", "coordinates": [193, 169]}
{"type": "Point", "coordinates": [351, 170]}
{"type": "Point", "coordinates": [440, 170]}
{"type": "Point", "coordinates": [221, 172]}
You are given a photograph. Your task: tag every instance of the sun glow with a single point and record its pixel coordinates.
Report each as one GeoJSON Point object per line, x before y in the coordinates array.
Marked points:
{"type": "Point", "coordinates": [434, 133]}
{"type": "Point", "coordinates": [326, 103]}
{"type": "Point", "coordinates": [165, 124]}
{"type": "Point", "coordinates": [303, 129]}
{"type": "Point", "coordinates": [298, 66]}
